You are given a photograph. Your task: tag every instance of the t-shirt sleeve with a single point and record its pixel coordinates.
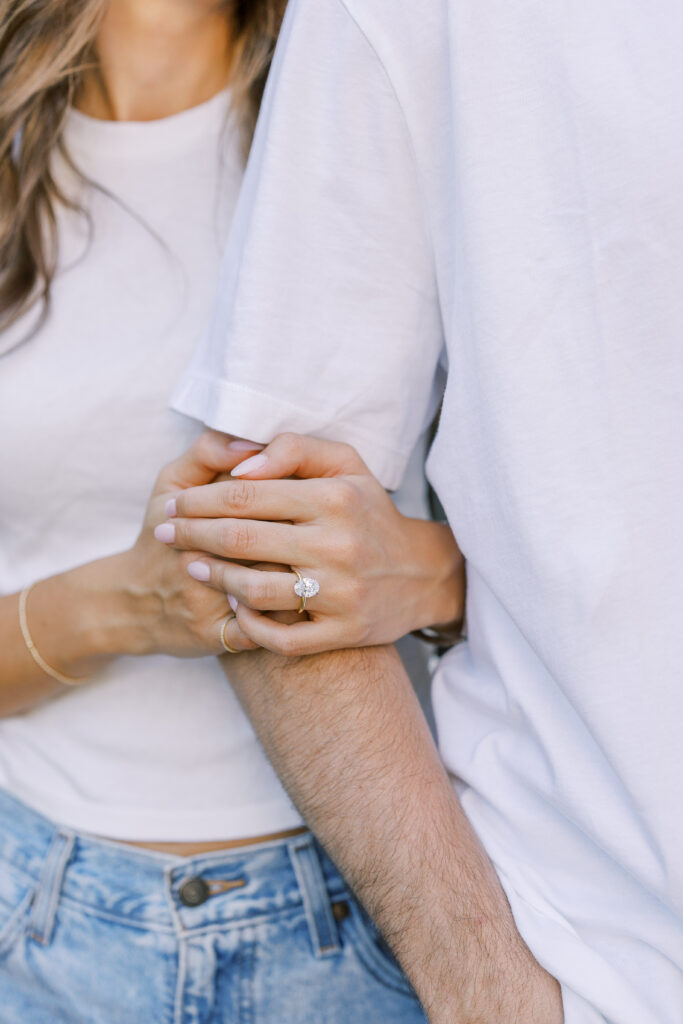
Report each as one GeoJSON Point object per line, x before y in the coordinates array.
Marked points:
{"type": "Point", "coordinates": [327, 320]}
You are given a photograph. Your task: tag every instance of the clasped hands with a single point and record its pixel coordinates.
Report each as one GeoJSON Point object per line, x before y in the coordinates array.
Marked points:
{"type": "Point", "coordinates": [313, 505]}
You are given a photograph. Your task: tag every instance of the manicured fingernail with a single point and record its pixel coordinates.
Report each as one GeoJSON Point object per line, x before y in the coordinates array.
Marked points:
{"type": "Point", "coordinates": [165, 533]}
{"type": "Point", "coordinates": [245, 446]}
{"type": "Point", "coordinates": [233, 602]}
{"type": "Point", "coordinates": [250, 465]}
{"type": "Point", "coordinates": [199, 571]}
{"type": "Point", "coordinates": [170, 508]}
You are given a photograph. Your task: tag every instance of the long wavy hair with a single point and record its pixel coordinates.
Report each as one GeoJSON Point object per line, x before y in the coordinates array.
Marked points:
{"type": "Point", "coordinates": [45, 47]}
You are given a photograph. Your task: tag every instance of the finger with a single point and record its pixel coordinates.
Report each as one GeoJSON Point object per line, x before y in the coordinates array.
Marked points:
{"type": "Point", "coordinates": [297, 640]}
{"type": "Point", "coordinates": [293, 501]}
{"type": "Point", "coordinates": [236, 639]}
{"type": "Point", "coordinates": [265, 591]}
{"type": "Point", "coordinates": [210, 454]}
{"type": "Point", "coordinates": [240, 540]}
{"type": "Point", "coordinates": [302, 456]}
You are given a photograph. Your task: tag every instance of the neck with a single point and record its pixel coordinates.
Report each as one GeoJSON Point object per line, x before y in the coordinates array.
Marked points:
{"type": "Point", "coordinates": [157, 58]}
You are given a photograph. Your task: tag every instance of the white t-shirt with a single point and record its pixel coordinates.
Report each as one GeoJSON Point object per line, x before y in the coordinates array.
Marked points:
{"type": "Point", "coordinates": [503, 178]}
{"type": "Point", "coordinates": [153, 748]}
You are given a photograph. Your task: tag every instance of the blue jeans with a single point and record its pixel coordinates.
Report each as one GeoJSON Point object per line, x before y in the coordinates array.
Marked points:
{"type": "Point", "coordinates": [94, 932]}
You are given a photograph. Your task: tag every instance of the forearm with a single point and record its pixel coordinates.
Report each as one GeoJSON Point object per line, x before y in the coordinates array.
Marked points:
{"type": "Point", "coordinates": [78, 621]}
{"type": "Point", "coordinates": [349, 741]}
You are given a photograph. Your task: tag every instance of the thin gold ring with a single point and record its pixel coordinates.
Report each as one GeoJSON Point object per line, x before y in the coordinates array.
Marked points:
{"type": "Point", "coordinates": [226, 645]}
{"type": "Point", "coordinates": [302, 600]}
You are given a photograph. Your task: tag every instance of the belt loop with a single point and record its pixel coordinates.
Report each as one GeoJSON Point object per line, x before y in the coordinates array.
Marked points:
{"type": "Point", "coordinates": [321, 922]}
{"type": "Point", "coordinates": [50, 886]}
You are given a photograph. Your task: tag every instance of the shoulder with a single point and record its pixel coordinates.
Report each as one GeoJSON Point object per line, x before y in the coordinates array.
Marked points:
{"type": "Point", "coordinates": [404, 42]}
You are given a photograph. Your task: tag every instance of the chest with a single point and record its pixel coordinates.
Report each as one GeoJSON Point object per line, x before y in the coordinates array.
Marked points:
{"type": "Point", "coordinates": [84, 402]}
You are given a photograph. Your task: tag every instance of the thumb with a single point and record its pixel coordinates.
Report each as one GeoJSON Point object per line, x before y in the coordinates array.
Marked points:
{"type": "Point", "coordinates": [212, 453]}
{"type": "Point", "coordinates": [301, 456]}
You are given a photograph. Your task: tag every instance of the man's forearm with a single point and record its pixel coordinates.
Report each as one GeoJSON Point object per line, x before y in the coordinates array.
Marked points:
{"type": "Point", "coordinates": [346, 735]}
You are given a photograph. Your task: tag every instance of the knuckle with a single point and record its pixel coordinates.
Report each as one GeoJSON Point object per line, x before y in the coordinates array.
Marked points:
{"type": "Point", "coordinates": [235, 539]}
{"type": "Point", "coordinates": [348, 450]}
{"type": "Point", "coordinates": [181, 538]}
{"type": "Point", "coordinates": [238, 496]}
{"type": "Point", "coordinates": [260, 594]}
{"type": "Point", "coordinates": [290, 443]}
{"type": "Point", "coordinates": [348, 551]}
{"type": "Point", "coordinates": [349, 457]}
{"type": "Point", "coordinates": [356, 592]}
{"type": "Point", "coordinates": [202, 447]}
{"type": "Point", "coordinates": [345, 496]}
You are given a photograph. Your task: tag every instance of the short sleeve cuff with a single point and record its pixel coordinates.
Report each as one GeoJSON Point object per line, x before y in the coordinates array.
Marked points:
{"type": "Point", "coordinates": [258, 416]}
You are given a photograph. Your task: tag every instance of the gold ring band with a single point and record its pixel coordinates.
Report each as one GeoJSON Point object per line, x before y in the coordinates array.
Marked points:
{"type": "Point", "coordinates": [226, 645]}
{"type": "Point", "coordinates": [302, 599]}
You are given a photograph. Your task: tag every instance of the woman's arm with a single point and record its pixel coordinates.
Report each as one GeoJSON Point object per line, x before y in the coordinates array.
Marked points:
{"type": "Point", "coordinates": [141, 601]}
{"type": "Point", "coordinates": [77, 620]}
{"type": "Point", "coordinates": [381, 574]}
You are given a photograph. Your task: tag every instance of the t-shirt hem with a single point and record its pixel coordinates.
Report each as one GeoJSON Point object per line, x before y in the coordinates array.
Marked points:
{"type": "Point", "coordinates": [177, 825]}
{"type": "Point", "coordinates": [260, 416]}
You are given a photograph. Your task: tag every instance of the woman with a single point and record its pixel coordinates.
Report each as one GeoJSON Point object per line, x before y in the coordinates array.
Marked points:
{"type": "Point", "coordinates": [151, 866]}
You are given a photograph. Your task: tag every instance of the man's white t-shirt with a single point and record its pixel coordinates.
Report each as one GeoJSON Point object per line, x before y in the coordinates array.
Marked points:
{"type": "Point", "coordinates": [503, 182]}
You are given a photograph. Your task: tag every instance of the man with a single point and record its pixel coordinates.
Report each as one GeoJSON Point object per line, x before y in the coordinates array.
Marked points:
{"type": "Point", "coordinates": [504, 178]}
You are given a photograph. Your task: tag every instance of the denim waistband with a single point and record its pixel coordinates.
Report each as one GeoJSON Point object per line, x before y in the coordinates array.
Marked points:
{"type": "Point", "coordinates": [149, 889]}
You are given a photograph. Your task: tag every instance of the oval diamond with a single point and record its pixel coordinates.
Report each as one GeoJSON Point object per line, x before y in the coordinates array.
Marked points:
{"type": "Point", "coordinates": [306, 587]}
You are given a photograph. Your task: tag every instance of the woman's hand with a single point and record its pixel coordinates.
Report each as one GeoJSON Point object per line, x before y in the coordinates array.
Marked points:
{"type": "Point", "coordinates": [381, 574]}
{"type": "Point", "coordinates": [171, 613]}
{"type": "Point", "coordinates": [140, 601]}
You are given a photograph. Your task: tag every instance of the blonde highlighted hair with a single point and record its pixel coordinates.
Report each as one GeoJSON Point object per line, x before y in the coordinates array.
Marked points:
{"type": "Point", "coordinates": [45, 45]}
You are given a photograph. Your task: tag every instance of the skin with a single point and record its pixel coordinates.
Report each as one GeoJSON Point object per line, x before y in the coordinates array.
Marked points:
{"type": "Point", "coordinates": [157, 58]}
{"type": "Point", "coordinates": [343, 729]}
{"type": "Point", "coordinates": [347, 737]}
{"type": "Point", "coordinates": [141, 601]}
{"type": "Point", "coordinates": [381, 574]}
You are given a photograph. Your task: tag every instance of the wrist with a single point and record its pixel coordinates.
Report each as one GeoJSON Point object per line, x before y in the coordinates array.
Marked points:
{"type": "Point", "coordinates": [440, 575]}
{"type": "Point", "coordinates": [98, 612]}
{"type": "Point", "coordinates": [125, 610]}
{"type": "Point", "coordinates": [517, 986]}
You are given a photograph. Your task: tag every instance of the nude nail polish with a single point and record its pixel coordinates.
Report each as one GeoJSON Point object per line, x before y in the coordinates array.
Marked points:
{"type": "Point", "coordinates": [250, 465]}
{"type": "Point", "coordinates": [233, 602]}
{"type": "Point", "coordinates": [199, 571]}
{"type": "Point", "coordinates": [170, 508]}
{"type": "Point", "coordinates": [165, 532]}
{"type": "Point", "coordinates": [245, 446]}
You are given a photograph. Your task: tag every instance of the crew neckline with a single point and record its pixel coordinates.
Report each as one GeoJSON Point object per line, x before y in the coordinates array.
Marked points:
{"type": "Point", "coordinates": [138, 138]}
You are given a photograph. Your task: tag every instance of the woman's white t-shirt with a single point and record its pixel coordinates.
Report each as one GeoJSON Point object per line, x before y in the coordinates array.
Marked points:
{"type": "Point", "coordinates": [501, 182]}
{"type": "Point", "coordinates": [154, 748]}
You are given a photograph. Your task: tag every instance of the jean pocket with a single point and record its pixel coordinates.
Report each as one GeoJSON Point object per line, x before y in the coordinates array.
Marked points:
{"type": "Point", "coordinates": [371, 950]}
{"type": "Point", "coordinates": [16, 896]}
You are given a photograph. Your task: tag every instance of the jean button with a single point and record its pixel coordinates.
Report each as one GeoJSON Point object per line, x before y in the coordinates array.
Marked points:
{"type": "Point", "coordinates": [194, 892]}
